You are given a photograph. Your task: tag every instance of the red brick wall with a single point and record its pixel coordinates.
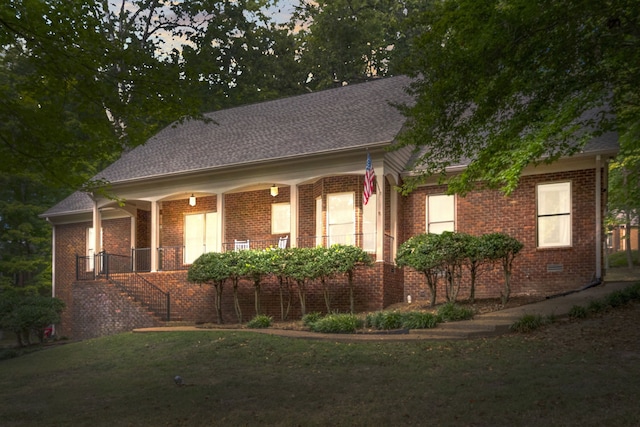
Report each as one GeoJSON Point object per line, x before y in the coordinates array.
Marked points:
{"type": "Point", "coordinates": [143, 229]}
{"type": "Point", "coordinates": [248, 215]}
{"type": "Point", "coordinates": [489, 211]}
{"type": "Point", "coordinates": [172, 218]}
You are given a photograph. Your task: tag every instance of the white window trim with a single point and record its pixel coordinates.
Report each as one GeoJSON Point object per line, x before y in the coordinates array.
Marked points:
{"type": "Point", "coordinates": [426, 206]}
{"type": "Point", "coordinates": [569, 214]}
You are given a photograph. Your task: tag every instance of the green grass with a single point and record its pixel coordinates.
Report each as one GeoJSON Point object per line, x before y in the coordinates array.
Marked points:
{"type": "Point", "coordinates": [246, 378]}
{"type": "Point", "coordinates": [619, 259]}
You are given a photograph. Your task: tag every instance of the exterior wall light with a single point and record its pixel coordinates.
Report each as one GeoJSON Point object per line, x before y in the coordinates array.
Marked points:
{"type": "Point", "coordinates": [192, 200]}
{"type": "Point", "coordinates": [274, 190]}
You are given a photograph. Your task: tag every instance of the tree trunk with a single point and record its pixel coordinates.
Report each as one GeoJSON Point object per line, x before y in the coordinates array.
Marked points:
{"type": "Point", "coordinates": [627, 239]}
{"type": "Point", "coordinates": [219, 303]}
{"type": "Point", "coordinates": [352, 302]}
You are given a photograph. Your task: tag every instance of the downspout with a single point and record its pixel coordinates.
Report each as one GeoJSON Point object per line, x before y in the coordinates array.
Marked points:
{"type": "Point", "coordinates": [598, 275]}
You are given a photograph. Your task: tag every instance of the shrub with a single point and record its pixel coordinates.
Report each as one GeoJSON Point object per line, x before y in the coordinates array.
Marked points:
{"type": "Point", "coordinates": [337, 324]}
{"type": "Point", "coordinates": [419, 320]}
{"type": "Point", "coordinates": [451, 312]}
{"type": "Point", "coordinates": [260, 321]}
{"type": "Point", "coordinates": [597, 306]}
{"type": "Point", "coordinates": [311, 318]}
{"type": "Point", "coordinates": [616, 299]}
{"type": "Point", "coordinates": [578, 312]}
{"type": "Point", "coordinates": [528, 323]}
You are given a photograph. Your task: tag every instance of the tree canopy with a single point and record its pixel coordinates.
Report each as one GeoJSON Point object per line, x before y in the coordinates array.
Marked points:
{"type": "Point", "coordinates": [502, 85]}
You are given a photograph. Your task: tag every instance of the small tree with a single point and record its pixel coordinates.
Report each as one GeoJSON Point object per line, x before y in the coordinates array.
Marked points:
{"type": "Point", "coordinates": [236, 264]}
{"type": "Point", "coordinates": [211, 268]}
{"type": "Point", "coordinates": [346, 258]}
{"type": "Point", "coordinates": [451, 249]}
{"type": "Point", "coordinates": [421, 252]}
{"type": "Point", "coordinates": [257, 264]}
{"type": "Point", "coordinates": [475, 251]}
{"type": "Point", "coordinates": [280, 258]}
{"type": "Point", "coordinates": [300, 268]}
{"type": "Point", "coordinates": [324, 266]}
{"type": "Point", "coordinates": [24, 313]}
{"type": "Point", "coordinates": [503, 249]}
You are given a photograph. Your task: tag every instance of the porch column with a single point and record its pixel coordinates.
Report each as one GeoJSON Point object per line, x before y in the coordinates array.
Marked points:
{"type": "Point", "coordinates": [393, 201]}
{"type": "Point", "coordinates": [97, 229]}
{"type": "Point", "coordinates": [220, 211]}
{"type": "Point", "coordinates": [293, 203]}
{"type": "Point", "coordinates": [154, 235]}
{"type": "Point", "coordinates": [380, 203]}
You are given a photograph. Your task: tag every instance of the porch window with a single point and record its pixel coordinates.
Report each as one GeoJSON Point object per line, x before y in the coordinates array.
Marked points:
{"type": "Point", "coordinates": [440, 213]}
{"type": "Point", "coordinates": [200, 235]}
{"type": "Point", "coordinates": [280, 218]}
{"type": "Point", "coordinates": [554, 214]}
{"type": "Point", "coordinates": [369, 223]}
{"type": "Point", "coordinates": [341, 218]}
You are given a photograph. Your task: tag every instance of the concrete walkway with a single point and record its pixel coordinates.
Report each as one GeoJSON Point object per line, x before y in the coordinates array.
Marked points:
{"type": "Point", "coordinates": [483, 325]}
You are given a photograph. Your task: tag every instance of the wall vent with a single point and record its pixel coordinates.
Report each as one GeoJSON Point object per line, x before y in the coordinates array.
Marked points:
{"type": "Point", "coordinates": [554, 268]}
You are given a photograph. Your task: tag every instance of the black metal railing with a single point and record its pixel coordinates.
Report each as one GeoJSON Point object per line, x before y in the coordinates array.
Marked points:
{"type": "Point", "coordinates": [144, 292]}
{"type": "Point", "coordinates": [171, 258]}
{"type": "Point", "coordinates": [141, 259]}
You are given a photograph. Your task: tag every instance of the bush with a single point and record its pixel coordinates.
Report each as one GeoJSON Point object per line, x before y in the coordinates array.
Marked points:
{"type": "Point", "coordinates": [578, 312]}
{"type": "Point", "coordinates": [616, 299]}
{"type": "Point", "coordinates": [451, 312]}
{"type": "Point", "coordinates": [528, 323]}
{"type": "Point", "coordinates": [337, 324]}
{"type": "Point", "coordinates": [384, 320]}
{"type": "Point", "coordinates": [311, 318]}
{"type": "Point", "coordinates": [419, 320]}
{"type": "Point", "coordinates": [597, 306]}
{"type": "Point", "coordinates": [260, 321]}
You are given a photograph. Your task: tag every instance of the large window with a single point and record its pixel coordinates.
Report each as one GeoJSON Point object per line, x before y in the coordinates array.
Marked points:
{"type": "Point", "coordinates": [554, 214]}
{"type": "Point", "coordinates": [341, 219]}
{"type": "Point", "coordinates": [369, 215]}
{"type": "Point", "coordinates": [280, 218]}
{"type": "Point", "coordinates": [440, 213]}
{"type": "Point", "coordinates": [200, 235]}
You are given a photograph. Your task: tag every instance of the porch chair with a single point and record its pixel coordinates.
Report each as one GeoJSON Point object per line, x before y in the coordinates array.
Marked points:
{"type": "Point", "coordinates": [240, 245]}
{"type": "Point", "coordinates": [282, 242]}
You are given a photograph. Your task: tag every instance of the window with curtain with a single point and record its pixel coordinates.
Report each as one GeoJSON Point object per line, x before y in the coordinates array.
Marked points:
{"type": "Point", "coordinates": [369, 223]}
{"type": "Point", "coordinates": [341, 218]}
{"type": "Point", "coordinates": [554, 214]}
{"type": "Point", "coordinates": [440, 213]}
{"type": "Point", "coordinates": [200, 235]}
{"type": "Point", "coordinates": [280, 218]}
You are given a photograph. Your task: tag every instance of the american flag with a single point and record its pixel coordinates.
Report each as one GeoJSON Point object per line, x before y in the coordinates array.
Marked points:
{"type": "Point", "coordinates": [369, 181]}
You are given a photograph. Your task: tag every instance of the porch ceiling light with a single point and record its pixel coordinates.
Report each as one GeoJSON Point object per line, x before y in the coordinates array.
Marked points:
{"type": "Point", "coordinates": [192, 200]}
{"type": "Point", "coordinates": [274, 190]}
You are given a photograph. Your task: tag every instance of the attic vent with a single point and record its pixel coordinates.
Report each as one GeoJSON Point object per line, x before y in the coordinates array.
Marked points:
{"type": "Point", "coordinates": [554, 268]}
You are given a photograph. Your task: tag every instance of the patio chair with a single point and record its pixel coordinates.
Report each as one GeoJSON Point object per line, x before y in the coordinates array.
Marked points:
{"type": "Point", "coordinates": [240, 245]}
{"type": "Point", "coordinates": [282, 242]}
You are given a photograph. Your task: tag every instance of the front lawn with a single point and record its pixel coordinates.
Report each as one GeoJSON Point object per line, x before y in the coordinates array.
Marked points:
{"type": "Point", "coordinates": [577, 373]}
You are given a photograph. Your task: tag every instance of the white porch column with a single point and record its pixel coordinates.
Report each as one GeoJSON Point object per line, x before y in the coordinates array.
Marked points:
{"type": "Point", "coordinates": [97, 228]}
{"type": "Point", "coordinates": [293, 203]}
{"type": "Point", "coordinates": [220, 211]}
{"type": "Point", "coordinates": [393, 199]}
{"type": "Point", "coordinates": [155, 230]}
{"type": "Point", "coordinates": [380, 203]}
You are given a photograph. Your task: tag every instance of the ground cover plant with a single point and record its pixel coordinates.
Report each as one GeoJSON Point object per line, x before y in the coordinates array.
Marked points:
{"type": "Point", "coordinates": [569, 373]}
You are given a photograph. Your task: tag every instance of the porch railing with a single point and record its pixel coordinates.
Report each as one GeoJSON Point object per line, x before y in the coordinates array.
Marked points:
{"type": "Point", "coordinates": [145, 292]}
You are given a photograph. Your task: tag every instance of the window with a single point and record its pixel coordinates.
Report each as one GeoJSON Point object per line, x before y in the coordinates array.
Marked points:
{"type": "Point", "coordinates": [554, 214]}
{"type": "Point", "coordinates": [200, 235]}
{"type": "Point", "coordinates": [440, 213]}
{"type": "Point", "coordinates": [369, 225]}
{"type": "Point", "coordinates": [280, 218]}
{"type": "Point", "coordinates": [341, 219]}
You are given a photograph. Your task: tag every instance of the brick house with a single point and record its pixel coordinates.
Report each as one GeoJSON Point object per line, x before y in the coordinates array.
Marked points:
{"type": "Point", "coordinates": [293, 168]}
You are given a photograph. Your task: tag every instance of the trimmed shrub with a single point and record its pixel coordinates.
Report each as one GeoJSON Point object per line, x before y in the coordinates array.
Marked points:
{"type": "Point", "coordinates": [419, 320]}
{"type": "Point", "coordinates": [260, 321]}
{"type": "Point", "coordinates": [597, 306]}
{"type": "Point", "coordinates": [528, 323]}
{"type": "Point", "coordinates": [311, 318]}
{"type": "Point", "coordinates": [337, 324]}
{"type": "Point", "coordinates": [451, 312]}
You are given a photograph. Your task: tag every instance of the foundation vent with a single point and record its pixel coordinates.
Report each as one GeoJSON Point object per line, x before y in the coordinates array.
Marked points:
{"type": "Point", "coordinates": [555, 268]}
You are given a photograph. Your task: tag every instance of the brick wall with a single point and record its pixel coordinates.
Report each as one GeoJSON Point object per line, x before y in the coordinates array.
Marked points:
{"type": "Point", "coordinates": [490, 211]}
{"type": "Point", "coordinates": [99, 309]}
{"type": "Point", "coordinates": [172, 218]}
